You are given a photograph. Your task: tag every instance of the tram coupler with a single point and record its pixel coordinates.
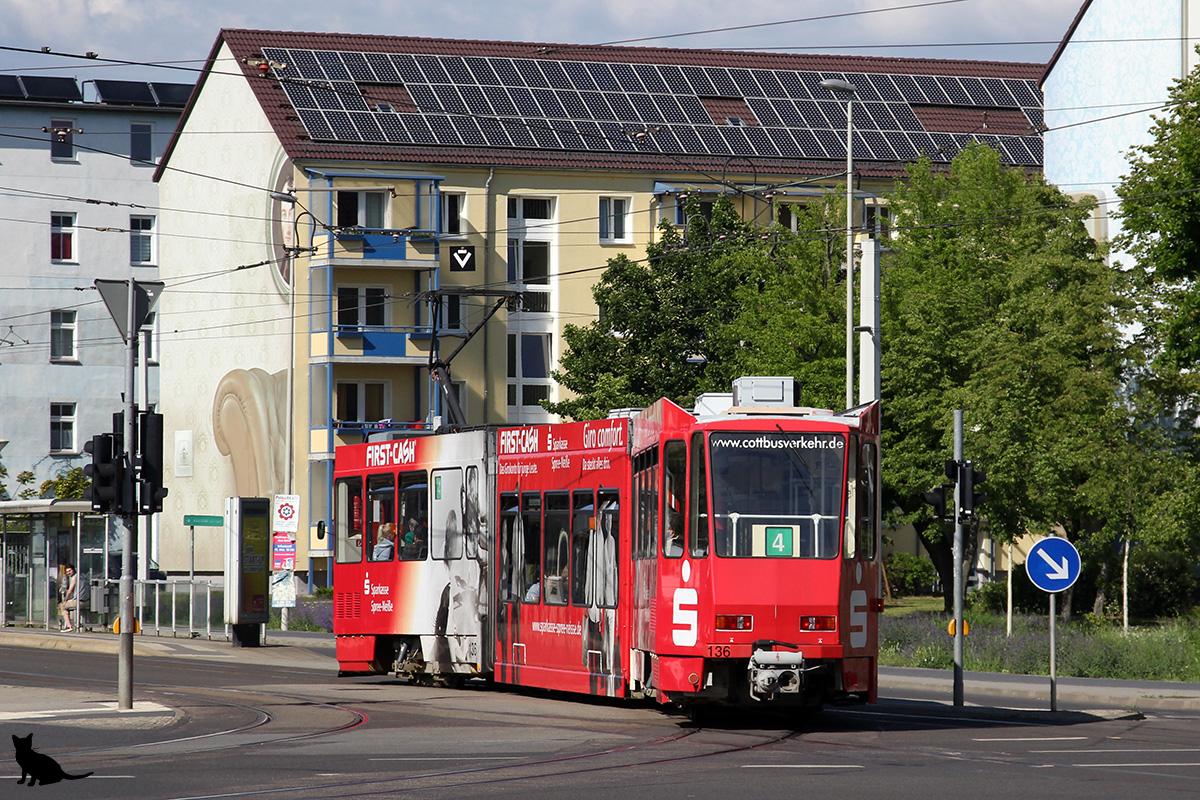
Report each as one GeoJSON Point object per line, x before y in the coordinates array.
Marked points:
{"type": "Point", "coordinates": [774, 672]}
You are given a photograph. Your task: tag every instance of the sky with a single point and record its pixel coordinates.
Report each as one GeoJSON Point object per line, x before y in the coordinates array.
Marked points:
{"type": "Point", "coordinates": [181, 32]}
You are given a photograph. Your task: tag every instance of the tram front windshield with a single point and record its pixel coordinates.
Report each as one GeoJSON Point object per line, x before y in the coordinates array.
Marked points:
{"type": "Point", "coordinates": [777, 495]}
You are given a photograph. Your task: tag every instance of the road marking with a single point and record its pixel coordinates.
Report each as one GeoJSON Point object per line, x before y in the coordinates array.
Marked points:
{"type": "Point", "coordinates": [802, 766]}
{"type": "Point", "coordinates": [1127, 750]}
{"type": "Point", "coordinates": [1142, 764]}
{"type": "Point", "coordinates": [445, 758]}
{"type": "Point", "coordinates": [1033, 739]}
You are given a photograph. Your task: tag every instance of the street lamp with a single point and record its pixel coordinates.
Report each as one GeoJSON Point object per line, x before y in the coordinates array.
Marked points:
{"type": "Point", "coordinates": [848, 89]}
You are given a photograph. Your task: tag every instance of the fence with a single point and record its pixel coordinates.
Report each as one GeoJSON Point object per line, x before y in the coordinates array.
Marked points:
{"type": "Point", "coordinates": [176, 607]}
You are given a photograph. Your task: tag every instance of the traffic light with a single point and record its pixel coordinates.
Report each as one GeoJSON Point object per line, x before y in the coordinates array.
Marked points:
{"type": "Point", "coordinates": [107, 472]}
{"type": "Point", "coordinates": [937, 497]}
{"type": "Point", "coordinates": [150, 446]}
{"type": "Point", "coordinates": [969, 496]}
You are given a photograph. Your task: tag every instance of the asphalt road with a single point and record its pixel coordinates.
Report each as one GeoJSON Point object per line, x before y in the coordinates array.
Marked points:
{"type": "Point", "coordinates": [228, 724]}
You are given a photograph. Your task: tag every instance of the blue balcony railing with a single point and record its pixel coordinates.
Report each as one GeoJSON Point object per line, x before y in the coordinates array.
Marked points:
{"type": "Point", "coordinates": [382, 342]}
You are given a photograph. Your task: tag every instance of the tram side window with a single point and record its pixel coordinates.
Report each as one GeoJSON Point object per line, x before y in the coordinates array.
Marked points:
{"type": "Point", "coordinates": [698, 500]}
{"type": "Point", "coordinates": [646, 504]}
{"type": "Point", "coordinates": [531, 523]}
{"type": "Point", "coordinates": [557, 543]}
{"type": "Point", "coordinates": [868, 501]}
{"type": "Point", "coordinates": [348, 520]}
{"type": "Point", "coordinates": [849, 533]}
{"type": "Point", "coordinates": [414, 516]}
{"type": "Point", "coordinates": [381, 523]}
{"type": "Point", "coordinates": [600, 581]}
{"type": "Point", "coordinates": [583, 530]}
{"type": "Point", "coordinates": [674, 485]}
{"type": "Point", "coordinates": [512, 548]}
{"type": "Point", "coordinates": [446, 539]}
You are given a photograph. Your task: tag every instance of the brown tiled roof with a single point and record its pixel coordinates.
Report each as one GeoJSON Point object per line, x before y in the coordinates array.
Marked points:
{"type": "Point", "coordinates": [294, 136]}
{"type": "Point", "coordinates": [951, 119]}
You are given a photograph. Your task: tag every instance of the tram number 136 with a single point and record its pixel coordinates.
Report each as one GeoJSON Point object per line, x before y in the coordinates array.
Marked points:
{"type": "Point", "coordinates": [720, 651]}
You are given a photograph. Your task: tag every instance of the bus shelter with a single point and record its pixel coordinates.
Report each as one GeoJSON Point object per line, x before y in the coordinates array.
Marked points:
{"type": "Point", "coordinates": [38, 538]}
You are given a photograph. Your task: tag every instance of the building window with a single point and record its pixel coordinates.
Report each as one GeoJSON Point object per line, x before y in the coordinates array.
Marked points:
{"type": "Point", "coordinates": [452, 319]}
{"type": "Point", "coordinates": [361, 306]}
{"type": "Point", "coordinates": [529, 364]}
{"type": "Point", "coordinates": [529, 271]}
{"type": "Point", "coordinates": [614, 219]}
{"type": "Point", "coordinates": [62, 237]}
{"type": "Point", "coordinates": [361, 402]}
{"type": "Point", "coordinates": [454, 208]}
{"type": "Point", "coordinates": [141, 240]}
{"type": "Point", "coordinates": [62, 335]}
{"type": "Point", "coordinates": [62, 142]}
{"type": "Point", "coordinates": [362, 210]}
{"type": "Point", "coordinates": [141, 142]}
{"type": "Point", "coordinates": [62, 427]}
{"type": "Point", "coordinates": [788, 215]}
{"type": "Point", "coordinates": [525, 208]}
{"type": "Point", "coordinates": [879, 222]}
{"type": "Point", "coordinates": [148, 344]}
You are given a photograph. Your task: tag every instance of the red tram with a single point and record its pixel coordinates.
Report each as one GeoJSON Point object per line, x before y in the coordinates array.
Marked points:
{"type": "Point", "coordinates": [718, 558]}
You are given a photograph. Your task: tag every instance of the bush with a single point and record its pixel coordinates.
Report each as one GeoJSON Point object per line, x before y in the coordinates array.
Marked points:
{"type": "Point", "coordinates": [1161, 583]}
{"type": "Point", "coordinates": [910, 575]}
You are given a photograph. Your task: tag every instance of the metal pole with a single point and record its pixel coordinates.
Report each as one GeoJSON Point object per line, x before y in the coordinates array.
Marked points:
{"type": "Point", "coordinates": [958, 571]}
{"type": "Point", "coordinates": [192, 580]}
{"type": "Point", "coordinates": [1053, 660]}
{"type": "Point", "coordinates": [125, 645]}
{"type": "Point", "coordinates": [850, 251]}
{"type": "Point", "coordinates": [869, 326]}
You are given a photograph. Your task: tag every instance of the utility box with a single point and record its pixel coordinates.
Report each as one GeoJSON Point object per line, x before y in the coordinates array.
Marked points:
{"type": "Point", "coordinates": [247, 567]}
{"type": "Point", "coordinates": [757, 391]}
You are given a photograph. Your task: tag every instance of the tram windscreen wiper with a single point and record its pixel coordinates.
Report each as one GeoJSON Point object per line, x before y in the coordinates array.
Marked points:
{"type": "Point", "coordinates": [800, 465]}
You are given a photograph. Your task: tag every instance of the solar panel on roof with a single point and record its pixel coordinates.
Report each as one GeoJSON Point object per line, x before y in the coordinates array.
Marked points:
{"type": "Point", "coordinates": [132, 93]}
{"type": "Point", "coordinates": [786, 111]}
{"type": "Point", "coordinates": [531, 72]}
{"type": "Point", "coordinates": [616, 137]}
{"type": "Point", "coordinates": [1021, 152]}
{"type": "Point", "coordinates": [834, 113]}
{"type": "Point", "coordinates": [543, 135]}
{"type": "Point", "coordinates": [946, 146]}
{"type": "Point", "coordinates": [280, 56]}
{"type": "Point", "coordinates": [597, 105]}
{"type": "Point", "coordinates": [43, 87]}
{"type": "Point", "coordinates": [792, 84]}
{"type": "Point", "coordinates": [474, 98]}
{"type": "Point", "coordinates": [548, 100]}
{"type": "Point", "coordinates": [812, 114]}
{"type": "Point", "coordinates": [953, 89]}
{"type": "Point", "coordinates": [406, 67]}
{"type": "Point", "coordinates": [431, 67]}
{"type": "Point", "coordinates": [760, 141]}
{"type": "Point", "coordinates": [331, 62]}
{"type": "Point", "coordinates": [905, 117]}
{"type": "Point", "coordinates": [810, 146]}
{"type": "Point", "coordinates": [481, 70]}
{"type": "Point", "coordinates": [579, 75]}
{"type": "Point", "coordinates": [737, 140]}
{"type": "Point", "coordinates": [519, 133]}
{"type": "Point", "coordinates": [664, 139]}
{"type": "Point", "coordinates": [493, 131]}
{"type": "Point", "coordinates": [555, 75]}
{"type": "Point", "coordinates": [592, 137]}
{"type": "Point", "coordinates": [173, 95]}
{"type": "Point", "coordinates": [747, 86]}
{"type": "Point", "coordinates": [567, 135]}
{"type": "Point", "coordinates": [385, 71]}
{"type": "Point", "coordinates": [976, 91]}
{"type": "Point", "coordinates": [905, 150]}
{"type": "Point", "coordinates": [627, 79]}
{"type": "Point", "coordinates": [418, 128]}
{"type": "Point", "coordinates": [932, 89]}
{"type": "Point", "coordinates": [878, 146]}
{"type": "Point", "coordinates": [812, 82]}
{"type": "Point", "coordinates": [506, 72]}
{"type": "Point", "coordinates": [723, 85]}
{"type": "Point", "coordinates": [673, 77]}
{"type": "Point", "coordinates": [1025, 93]}
{"type": "Point", "coordinates": [573, 105]}
{"type": "Point", "coordinates": [696, 113]}
{"type": "Point", "coordinates": [501, 102]}
{"type": "Point", "coordinates": [688, 138]}
{"type": "Point", "coordinates": [423, 97]}
{"type": "Point", "coordinates": [834, 145]}
{"type": "Point", "coordinates": [450, 100]}
{"type": "Point", "coordinates": [342, 127]}
{"type": "Point", "coordinates": [326, 98]}
{"type": "Point", "coordinates": [783, 142]}
{"type": "Point", "coordinates": [456, 68]}
{"type": "Point", "coordinates": [668, 106]}
{"type": "Point", "coordinates": [356, 64]}
{"type": "Point", "coordinates": [923, 142]}
{"type": "Point", "coordinates": [771, 87]}
{"type": "Point", "coordinates": [352, 99]}
{"type": "Point", "coordinates": [646, 108]}
{"type": "Point", "coordinates": [1036, 120]}
{"type": "Point", "coordinates": [314, 122]}
{"type": "Point", "coordinates": [650, 78]}
{"type": "Point", "coordinates": [909, 90]}
{"type": "Point", "coordinates": [525, 103]}
{"type": "Point", "coordinates": [443, 129]}
{"type": "Point", "coordinates": [10, 88]}
{"type": "Point", "coordinates": [881, 116]}
{"type": "Point", "coordinates": [468, 131]}
{"type": "Point", "coordinates": [300, 95]}
{"type": "Point", "coordinates": [885, 88]}
{"type": "Point", "coordinates": [367, 127]}
{"type": "Point", "coordinates": [393, 130]}
{"type": "Point", "coordinates": [1000, 92]}
{"type": "Point", "coordinates": [603, 77]}
{"type": "Point", "coordinates": [306, 64]}
{"type": "Point", "coordinates": [863, 88]}
{"type": "Point", "coordinates": [622, 107]}
{"type": "Point", "coordinates": [698, 78]}
{"type": "Point", "coordinates": [713, 140]}
{"type": "Point", "coordinates": [764, 112]}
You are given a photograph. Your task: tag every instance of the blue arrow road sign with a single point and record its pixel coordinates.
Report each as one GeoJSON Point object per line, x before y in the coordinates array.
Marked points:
{"type": "Point", "coordinates": [1053, 564]}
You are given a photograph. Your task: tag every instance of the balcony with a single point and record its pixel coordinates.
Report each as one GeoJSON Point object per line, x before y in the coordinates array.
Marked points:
{"type": "Point", "coordinates": [406, 248]}
{"type": "Point", "coordinates": [379, 343]}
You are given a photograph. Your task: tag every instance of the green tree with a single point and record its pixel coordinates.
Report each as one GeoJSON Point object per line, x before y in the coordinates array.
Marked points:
{"type": "Point", "coordinates": [1160, 220]}
{"type": "Point", "coordinates": [997, 302]}
{"type": "Point", "coordinates": [69, 484]}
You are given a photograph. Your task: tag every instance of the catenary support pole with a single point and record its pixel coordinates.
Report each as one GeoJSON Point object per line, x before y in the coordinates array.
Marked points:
{"type": "Point", "coordinates": [957, 554]}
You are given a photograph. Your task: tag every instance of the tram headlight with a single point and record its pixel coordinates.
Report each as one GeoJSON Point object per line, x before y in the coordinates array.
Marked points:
{"type": "Point", "coordinates": [818, 623]}
{"type": "Point", "coordinates": [735, 622]}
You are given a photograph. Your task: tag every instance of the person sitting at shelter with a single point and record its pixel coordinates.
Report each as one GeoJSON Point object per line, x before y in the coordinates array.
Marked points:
{"type": "Point", "coordinates": [75, 599]}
